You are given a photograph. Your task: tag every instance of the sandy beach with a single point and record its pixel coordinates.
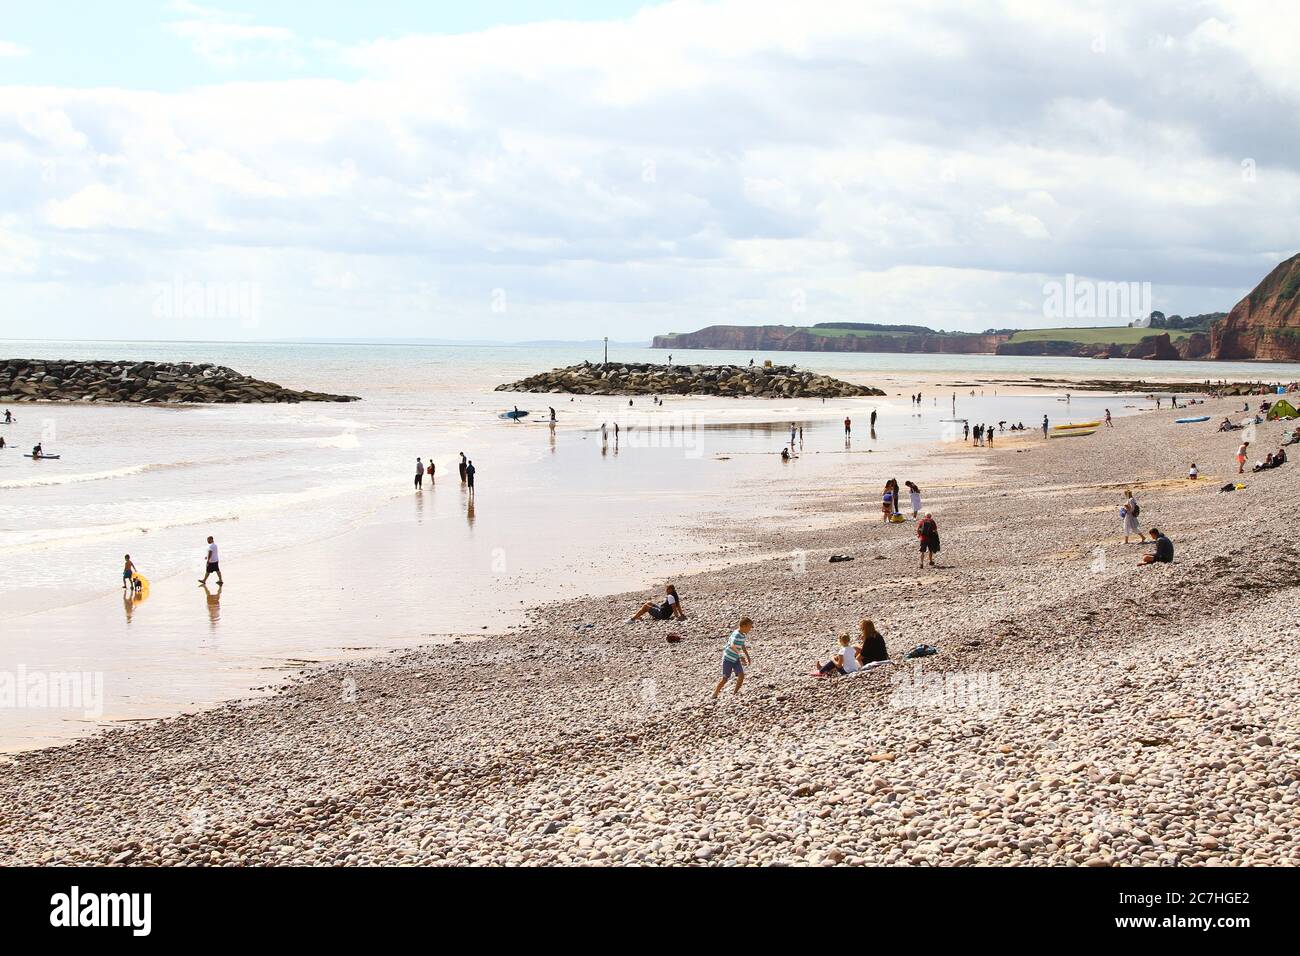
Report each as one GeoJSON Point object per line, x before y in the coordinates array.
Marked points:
{"type": "Point", "coordinates": [1081, 710]}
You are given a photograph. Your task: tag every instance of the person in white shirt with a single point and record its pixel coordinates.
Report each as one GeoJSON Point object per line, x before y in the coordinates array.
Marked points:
{"type": "Point", "coordinates": [214, 566]}
{"type": "Point", "coordinates": [843, 660]}
{"type": "Point", "coordinates": [1192, 472]}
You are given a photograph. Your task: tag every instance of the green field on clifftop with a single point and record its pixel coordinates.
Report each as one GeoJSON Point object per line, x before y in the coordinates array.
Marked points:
{"type": "Point", "coordinates": [1118, 335]}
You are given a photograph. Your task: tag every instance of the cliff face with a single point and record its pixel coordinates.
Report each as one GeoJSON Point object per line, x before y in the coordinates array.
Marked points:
{"type": "Point", "coordinates": [743, 338]}
{"type": "Point", "coordinates": [1266, 324]}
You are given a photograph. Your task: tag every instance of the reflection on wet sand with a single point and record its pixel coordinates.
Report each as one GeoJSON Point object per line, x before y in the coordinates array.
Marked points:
{"type": "Point", "coordinates": [131, 597]}
{"type": "Point", "coordinates": [469, 512]}
{"type": "Point", "coordinates": [214, 605]}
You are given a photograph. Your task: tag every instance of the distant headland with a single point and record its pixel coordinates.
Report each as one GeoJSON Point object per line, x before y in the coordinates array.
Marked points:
{"type": "Point", "coordinates": [1264, 326]}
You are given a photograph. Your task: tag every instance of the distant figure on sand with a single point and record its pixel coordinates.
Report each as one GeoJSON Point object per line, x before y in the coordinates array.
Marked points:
{"type": "Point", "coordinates": [914, 493]}
{"type": "Point", "coordinates": [1193, 473]}
{"type": "Point", "coordinates": [732, 656]}
{"type": "Point", "coordinates": [927, 531]}
{"type": "Point", "coordinates": [1044, 426]}
{"type": "Point", "coordinates": [670, 608]}
{"type": "Point", "coordinates": [552, 413]}
{"type": "Point", "coordinates": [1241, 457]}
{"type": "Point", "coordinates": [128, 572]}
{"type": "Point", "coordinates": [429, 469]}
{"type": "Point", "coordinates": [419, 474]}
{"type": "Point", "coordinates": [1128, 513]}
{"type": "Point", "coordinates": [887, 503]}
{"type": "Point", "coordinates": [462, 468]}
{"type": "Point", "coordinates": [1108, 421]}
{"type": "Point", "coordinates": [213, 564]}
{"type": "Point", "coordinates": [9, 417]}
{"type": "Point", "coordinates": [1164, 553]}
{"type": "Point", "coordinates": [848, 426]}
{"type": "Point", "coordinates": [469, 475]}
{"type": "Point", "coordinates": [873, 420]}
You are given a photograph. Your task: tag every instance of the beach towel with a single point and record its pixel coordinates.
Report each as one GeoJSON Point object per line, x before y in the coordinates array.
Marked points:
{"type": "Point", "coordinates": [921, 650]}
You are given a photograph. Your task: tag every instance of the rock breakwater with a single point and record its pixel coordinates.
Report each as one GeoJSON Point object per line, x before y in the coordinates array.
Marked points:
{"type": "Point", "coordinates": [617, 378]}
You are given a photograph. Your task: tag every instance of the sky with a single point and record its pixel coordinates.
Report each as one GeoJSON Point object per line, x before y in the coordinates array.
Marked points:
{"type": "Point", "coordinates": [569, 170]}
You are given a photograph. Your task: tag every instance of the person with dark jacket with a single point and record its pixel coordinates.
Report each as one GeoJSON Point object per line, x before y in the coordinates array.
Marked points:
{"type": "Point", "coordinates": [873, 645]}
{"type": "Point", "coordinates": [927, 530]}
{"type": "Point", "coordinates": [1164, 553]}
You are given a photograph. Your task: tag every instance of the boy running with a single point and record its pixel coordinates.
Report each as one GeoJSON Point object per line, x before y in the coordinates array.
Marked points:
{"type": "Point", "coordinates": [731, 657]}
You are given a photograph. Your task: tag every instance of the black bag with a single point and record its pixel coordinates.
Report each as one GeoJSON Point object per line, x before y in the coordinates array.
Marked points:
{"type": "Point", "coordinates": [1137, 509]}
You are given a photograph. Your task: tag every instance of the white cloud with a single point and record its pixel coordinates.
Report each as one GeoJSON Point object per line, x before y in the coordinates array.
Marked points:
{"type": "Point", "coordinates": [695, 163]}
{"type": "Point", "coordinates": [228, 39]}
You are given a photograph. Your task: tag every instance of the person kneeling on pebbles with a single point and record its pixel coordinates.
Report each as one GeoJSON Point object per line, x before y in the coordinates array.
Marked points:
{"type": "Point", "coordinates": [732, 655]}
{"type": "Point", "coordinates": [1164, 553]}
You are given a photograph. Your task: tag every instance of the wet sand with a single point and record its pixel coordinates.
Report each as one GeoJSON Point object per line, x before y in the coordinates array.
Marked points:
{"type": "Point", "coordinates": [1086, 711]}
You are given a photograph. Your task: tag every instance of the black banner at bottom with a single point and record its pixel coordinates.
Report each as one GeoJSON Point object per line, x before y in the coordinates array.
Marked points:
{"type": "Point", "coordinates": [305, 905]}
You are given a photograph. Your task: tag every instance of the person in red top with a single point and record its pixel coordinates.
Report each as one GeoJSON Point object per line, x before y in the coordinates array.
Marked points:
{"type": "Point", "coordinates": [848, 426]}
{"type": "Point", "coordinates": [927, 530]}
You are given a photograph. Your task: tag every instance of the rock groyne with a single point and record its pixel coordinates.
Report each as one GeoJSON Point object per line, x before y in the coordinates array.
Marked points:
{"type": "Point", "coordinates": [142, 383]}
{"type": "Point", "coordinates": [619, 378]}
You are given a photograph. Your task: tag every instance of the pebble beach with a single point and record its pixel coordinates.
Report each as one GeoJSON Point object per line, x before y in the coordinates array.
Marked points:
{"type": "Point", "coordinates": [1081, 711]}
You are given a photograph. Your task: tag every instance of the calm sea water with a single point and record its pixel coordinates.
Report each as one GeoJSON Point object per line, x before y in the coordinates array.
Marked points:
{"type": "Point", "coordinates": [291, 473]}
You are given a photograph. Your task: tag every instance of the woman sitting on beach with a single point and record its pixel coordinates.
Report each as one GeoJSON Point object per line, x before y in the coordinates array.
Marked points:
{"type": "Point", "coordinates": [1129, 512]}
{"type": "Point", "coordinates": [670, 608]}
{"type": "Point", "coordinates": [873, 645]}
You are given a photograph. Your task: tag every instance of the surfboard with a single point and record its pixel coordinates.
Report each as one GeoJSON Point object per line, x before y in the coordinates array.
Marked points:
{"type": "Point", "coordinates": [1189, 421]}
{"type": "Point", "coordinates": [44, 457]}
{"type": "Point", "coordinates": [515, 415]}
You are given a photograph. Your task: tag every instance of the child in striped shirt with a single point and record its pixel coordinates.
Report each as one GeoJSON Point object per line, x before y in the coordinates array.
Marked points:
{"type": "Point", "coordinates": [732, 654]}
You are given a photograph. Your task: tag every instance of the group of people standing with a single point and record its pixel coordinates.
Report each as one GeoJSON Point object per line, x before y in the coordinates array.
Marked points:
{"type": "Point", "coordinates": [466, 467]}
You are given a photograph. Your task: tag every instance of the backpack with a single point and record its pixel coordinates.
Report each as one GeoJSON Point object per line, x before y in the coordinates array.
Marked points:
{"type": "Point", "coordinates": [1137, 509]}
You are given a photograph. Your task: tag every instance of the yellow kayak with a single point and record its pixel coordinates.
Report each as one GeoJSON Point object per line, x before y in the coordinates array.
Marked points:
{"type": "Point", "coordinates": [1072, 433]}
{"type": "Point", "coordinates": [1061, 428]}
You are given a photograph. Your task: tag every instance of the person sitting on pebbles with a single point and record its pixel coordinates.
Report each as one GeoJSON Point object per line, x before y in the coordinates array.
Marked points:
{"type": "Point", "coordinates": [670, 608]}
{"type": "Point", "coordinates": [872, 649]}
{"type": "Point", "coordinates": [844, 659]}
{"type": "Point", "coordinates": [1164, 552]}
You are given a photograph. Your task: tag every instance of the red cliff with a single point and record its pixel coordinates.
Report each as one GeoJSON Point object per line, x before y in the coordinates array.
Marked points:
{"type": "Point", "coordinates": [1266, 324]}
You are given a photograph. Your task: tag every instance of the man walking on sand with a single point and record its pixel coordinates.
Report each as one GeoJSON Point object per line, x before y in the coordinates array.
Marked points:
{"type": "Point", "coordinates": [731, 657]}
{"type": "Point", "coordinates": [1241, 457]}
{"type": "Point", "coordinates": [469, 475]}
{"type": "Point", "coordinates": [213, 564]}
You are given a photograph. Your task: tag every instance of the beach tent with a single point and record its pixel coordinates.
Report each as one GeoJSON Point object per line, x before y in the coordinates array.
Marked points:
{"type": "Point", "coordinates": [1282, 409]}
